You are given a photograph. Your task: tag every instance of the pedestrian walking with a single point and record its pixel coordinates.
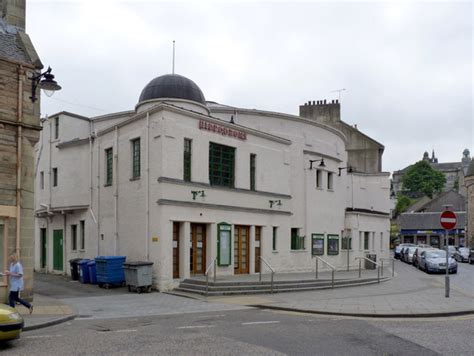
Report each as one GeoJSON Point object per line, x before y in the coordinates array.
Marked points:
{"type": "Point", "coordinates": [15, 274]}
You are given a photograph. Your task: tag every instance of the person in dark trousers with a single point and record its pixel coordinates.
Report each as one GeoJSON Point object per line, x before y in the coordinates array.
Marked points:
{"type": "Point", "coordinates": [16, 283]}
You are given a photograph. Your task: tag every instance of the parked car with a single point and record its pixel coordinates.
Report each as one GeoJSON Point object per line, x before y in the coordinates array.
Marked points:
{"type": "Point", "coordinates": [471, 256]}
{"type": "Point", "coordinates": [409, 251]}
{"type": "Point", "coordinates": [462, 254]}
{"type": "Point", "coordinates": [452, 250]}
{"type": "Point", "coordinates": [417, 253]}
{"type": "Point", "coordinates": [435, 261]}
{"type": "Point", "coordinates": [11, 323]}
{"type": "Point", "coordinates": [399, 248]}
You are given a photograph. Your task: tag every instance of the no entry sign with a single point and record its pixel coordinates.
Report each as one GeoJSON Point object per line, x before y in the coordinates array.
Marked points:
{"type": "Point", "coordinates": [448, 220]}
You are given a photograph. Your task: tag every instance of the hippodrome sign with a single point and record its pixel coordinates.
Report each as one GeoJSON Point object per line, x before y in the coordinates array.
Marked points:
{"type": "Point", "coordinates": [448, 220]}
{"type": "Point", "coordinates": [224, 131]}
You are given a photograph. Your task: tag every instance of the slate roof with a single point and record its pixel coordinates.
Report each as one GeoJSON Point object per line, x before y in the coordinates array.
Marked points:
{"type": "Point", "coordinates": [428, 221]}
{"type": "Point", "coordinates": [15, 45]}
{"type": "Point", "coordinates": [11, 49]}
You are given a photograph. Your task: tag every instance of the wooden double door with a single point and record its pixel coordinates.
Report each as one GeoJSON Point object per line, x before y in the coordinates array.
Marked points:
{"type": "Point", "coordinates": [197, 261]}
{"type": "Point", "coordinates": [241, 249]}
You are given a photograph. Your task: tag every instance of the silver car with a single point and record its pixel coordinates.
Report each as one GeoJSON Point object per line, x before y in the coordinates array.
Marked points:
{"type": "Point", "coordinates": [435, 261]}
{"type": "Point", "coordinates": [399, 248]}
{"type": "Point", "coordinates": [409, 254]}
{"type": "Point", "coordinates": [417, 255]}
{"type": "Point", "coordinates": [462, 254]}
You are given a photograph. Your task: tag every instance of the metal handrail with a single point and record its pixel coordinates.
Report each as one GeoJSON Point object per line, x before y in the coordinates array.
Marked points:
{"type": "Point", "coordinates": [393, 264]}
{"type": "Point", "coordinates": [333, 269]}
{"type": "Point", "coordinates": [213, 263]}
{"type": "Point", "coordinates": [271, 269]}
{"type": "Point", "coordinates": [368, 259]}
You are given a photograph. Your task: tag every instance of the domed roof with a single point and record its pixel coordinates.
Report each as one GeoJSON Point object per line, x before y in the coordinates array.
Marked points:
{"type": "Point", "coordinates": [172, 86]}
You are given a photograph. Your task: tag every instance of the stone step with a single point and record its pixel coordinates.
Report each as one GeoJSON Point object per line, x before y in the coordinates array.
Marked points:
{"type": "Point", "coordinates": [256, 282]}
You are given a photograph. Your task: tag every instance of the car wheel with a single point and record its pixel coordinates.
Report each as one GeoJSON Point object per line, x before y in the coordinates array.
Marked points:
{"type": "Point", "coordinates": [469, 260]}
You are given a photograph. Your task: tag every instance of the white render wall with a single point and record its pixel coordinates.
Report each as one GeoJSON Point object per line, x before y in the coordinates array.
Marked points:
{"type": "Point", "coordinates": [135, 216]}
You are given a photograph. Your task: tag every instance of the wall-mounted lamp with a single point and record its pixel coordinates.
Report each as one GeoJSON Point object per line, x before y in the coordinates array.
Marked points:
{"type": "Point", "coordinates": [311, 161]}
{"type": "Point", "coordinates": [46, 82]}
{"type": "Point", "coordinates": [274, 202]}
{"type": "Point", "coordinates": [349, 170]}
{"type": "Point", "coordinates": [197, 193]}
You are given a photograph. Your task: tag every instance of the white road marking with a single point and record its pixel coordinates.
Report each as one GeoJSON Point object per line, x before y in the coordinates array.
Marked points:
{"type": "Point", "coordinates": [261, 322]}
{"type": "Point", "coordinates": [40, 336]}
{"type": "Point", "coordinates": [125, 331]}
{"type": "Point", "coordinates": [195, 326]}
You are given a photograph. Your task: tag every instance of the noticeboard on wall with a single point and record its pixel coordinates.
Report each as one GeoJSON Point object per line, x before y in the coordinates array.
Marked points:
{"type": "Point", "coordinates": [333, 244]}
{"type": "Point", "coordinates": [224, 244]}
{"type": "Point", "coordinates": [317, 244]}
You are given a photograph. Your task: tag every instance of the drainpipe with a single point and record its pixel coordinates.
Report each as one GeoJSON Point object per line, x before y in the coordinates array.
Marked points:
{"type": "Point", "coordinates": [116, 190]}
{"type": "Point", "coordinates": [64, 241]}
{"type": "Point", "coordinates": [21, 74]}
{"type": "Point", "coordinates": [147, 193]}
{"type": "Point", "coordinates": [91, 162]}
{"type": "Point", "coordinates": [98, 199]}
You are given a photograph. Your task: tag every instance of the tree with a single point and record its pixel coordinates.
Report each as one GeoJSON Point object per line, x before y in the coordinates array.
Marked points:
{"type": "Point", "coordinates": [422, 179]}
{"type": "Point", "coordinates": [403, 202]}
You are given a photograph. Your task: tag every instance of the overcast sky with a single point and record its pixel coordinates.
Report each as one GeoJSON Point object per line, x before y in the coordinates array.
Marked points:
{"type": "Point", "coordinates": [406, 67]}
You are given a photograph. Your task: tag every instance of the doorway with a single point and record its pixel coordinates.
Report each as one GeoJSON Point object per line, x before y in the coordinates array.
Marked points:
{"type": "Point", "coordinates": [43, 247]}
{"type": "Point", "coordinates": [175, 249]}
{"type": "Point", "coordinates": [58, 250]}
{"type": "Point", "coordinates": [241, 249]}
{"type": "Point", "coordinates": [198, 249]}
{"type": "Point", "coordinates": [258, 241]}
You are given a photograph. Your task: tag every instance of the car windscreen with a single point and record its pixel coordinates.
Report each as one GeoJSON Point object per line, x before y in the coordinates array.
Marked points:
{"type": "Point", "coordinates": [412, 249]}
{"type": "Point", "coordinates": [435, 254]}
{"type": "Point", "coordinates": [463, 250]}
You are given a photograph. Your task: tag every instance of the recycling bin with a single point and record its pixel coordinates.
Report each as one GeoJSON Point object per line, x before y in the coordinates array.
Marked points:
{"type": "Point", "coordinates": [138, 276]}
{"type": "Point", "coordinates": [110, 271]}
{"type": "Point", "coordinates": [92, 272]}
{"type": "Point", "coordinates": [74, 268]}
{"type": "Point", "coordinates": [84, 276]}
{"type": "Point", "coordinates": [370, 265]}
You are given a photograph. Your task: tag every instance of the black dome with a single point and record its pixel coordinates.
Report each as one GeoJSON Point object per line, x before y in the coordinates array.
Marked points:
{"type": "Point", "coordinates": [172, 86]}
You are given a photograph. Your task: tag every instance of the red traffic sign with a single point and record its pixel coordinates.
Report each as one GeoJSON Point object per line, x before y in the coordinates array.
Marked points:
{"type": "Point", "coordinates": [448, 220]}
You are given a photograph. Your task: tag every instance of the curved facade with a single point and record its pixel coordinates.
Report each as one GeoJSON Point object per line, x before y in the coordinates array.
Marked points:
{"type": "Point", "coordinates": [181, 188]}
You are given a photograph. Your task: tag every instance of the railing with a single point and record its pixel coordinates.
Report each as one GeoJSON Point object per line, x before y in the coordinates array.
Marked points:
{"type": "Point", "coordinates": [213, 263]}
{"type": "Point", "coordinates": [333, 269]}
{"type": "Point", "coordinates": [271, 269]}
{"type": "Point", "coordinates": [373, 262]}
{"type": "Point", "coordinates": [393, 265]}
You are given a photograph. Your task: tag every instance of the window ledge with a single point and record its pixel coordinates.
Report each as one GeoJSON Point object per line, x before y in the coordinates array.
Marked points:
{"type": "Point", "coordinates": [299, 251]}
{"type": "Point", "coordinates": [275, 251]}
{"type": "Point", "coordinates": [319, 188]}
{"type": "Point", "coordinates": [107, 185]}
{"type": "Point", "coordinates": [330, 190]}
{"type": "Point", "coordinates": [134, 178]}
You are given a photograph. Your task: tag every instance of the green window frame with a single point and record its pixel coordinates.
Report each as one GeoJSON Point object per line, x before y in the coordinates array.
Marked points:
{"type": "Point", "coordinates": [108, 166]}
{"type": "Point", "coordinates": [366, 240]}
{"type": "Point", "coordinates": [274, 238]}
{"type": "Point", "coordinates": [82, 225]}
{"type": "Point", "coordinates": [333, 245]}
{"type": "Point", "coordinates": [136, 168]}
{"type": "Point", "coordinates": [187, 159]}
{"type": "Point", "coordinates": [317, 244]}
{"type": "Point", "coordinates": [297, 241]}
{"type": "Point", "coordinates": [221, 165]}
{"type": "Point", "coordinates": [253, 162]}
{"type": "Point", "coordinates": [73, 237]}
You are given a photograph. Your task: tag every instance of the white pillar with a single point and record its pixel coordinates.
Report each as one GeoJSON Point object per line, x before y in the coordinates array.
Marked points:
{"type": "Point", "coordinates": [251, 250]}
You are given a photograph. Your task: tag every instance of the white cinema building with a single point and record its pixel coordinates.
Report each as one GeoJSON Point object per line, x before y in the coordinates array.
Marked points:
{"type": "Point", "coordinates": [180, 181]}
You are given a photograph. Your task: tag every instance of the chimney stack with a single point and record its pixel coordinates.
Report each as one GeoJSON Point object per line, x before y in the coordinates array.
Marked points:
{"type": "Point", "coordinates": [13, 12]}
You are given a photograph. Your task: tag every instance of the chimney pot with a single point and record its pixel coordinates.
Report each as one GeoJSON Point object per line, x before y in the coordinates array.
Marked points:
{"type": "Point", "coordinates": [324, 101]}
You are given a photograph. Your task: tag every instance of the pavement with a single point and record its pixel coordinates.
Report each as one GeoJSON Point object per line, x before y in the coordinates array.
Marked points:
{"type": "Point", "coordinates": [409, 294]}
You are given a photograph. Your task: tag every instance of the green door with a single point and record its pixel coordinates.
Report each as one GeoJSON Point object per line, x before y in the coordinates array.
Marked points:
{"type": "Point", "coordinates": [58, 250]}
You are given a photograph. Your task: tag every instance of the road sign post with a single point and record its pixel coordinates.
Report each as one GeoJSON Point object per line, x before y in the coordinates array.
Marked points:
{"type": "Point", "coordinates": [448, 221]}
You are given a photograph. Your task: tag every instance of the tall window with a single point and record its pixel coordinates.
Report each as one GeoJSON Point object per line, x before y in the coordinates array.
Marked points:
{"type": "Point", "coordinates": [56, 127]}
{"type": "Point", "coordinates": [74, 237]}
{"type": "Point", "coordinates": [221, 165]}
{"type": "Point", "coordinates": [274, 240]}
{"type": "Point", "coordinates": [187, 159]}
{"type": "Point", "coordinates": [253, 158]}
{"type": "Point", "coordinates": [319, 178]}
{"type": "Point", "coordinates": [136, 158]}
{"type": "Point", "coordinates": [55, 177]}
{"type": "Point", "coordinates": [381, 241]}
{"type": "Point", "coordinates": [330, 181]}
{"type": "Point", "coordinates": [366, 240]}
{"type": "Point", "coordinates": [297, 241]}
{"type": "Point", "coordinates": [108, 166]}
{"type": "Point", "coordinates": [82, 225]}
{"type": "Point", "coordinates": [41, 180]}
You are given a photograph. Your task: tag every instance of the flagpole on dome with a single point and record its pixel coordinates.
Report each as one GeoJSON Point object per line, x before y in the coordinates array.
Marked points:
{"type": "Point", "coordinates": [173, 58]}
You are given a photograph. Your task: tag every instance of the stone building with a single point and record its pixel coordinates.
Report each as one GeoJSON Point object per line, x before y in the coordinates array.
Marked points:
{"type": "Point", "coordinates": [19, 132]}
{"type": "Point", "coordinates": [469, 184]}
{"type": "Point", "coordinates": [453, 171]}
{"type": "Point", "coordinates": [183, 182]}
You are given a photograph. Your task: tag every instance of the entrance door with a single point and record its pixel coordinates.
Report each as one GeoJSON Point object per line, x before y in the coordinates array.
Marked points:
{"type": "Point", "coordinates": [58, 250]}
{"type": "Point", "coordinates": [241, 249]}
{"type": "Point", "coordinates": [43, 246]}
{"type": "Point", "coordinates": [175, 250]}
{"type": "Point", "coordinates": [198, 249]}
{"type": "Point", "coordinates": [258, 241]}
